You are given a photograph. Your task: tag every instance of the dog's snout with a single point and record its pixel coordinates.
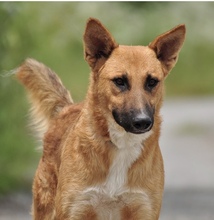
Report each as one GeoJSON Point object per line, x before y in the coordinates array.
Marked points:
{"type": "Point", "coordinates": [142, 123]}
{"type": "Point", "coordinates": [137, 121]}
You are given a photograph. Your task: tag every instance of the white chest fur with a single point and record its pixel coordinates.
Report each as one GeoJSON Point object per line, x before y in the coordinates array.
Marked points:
{"type": "Point", "coordinates": [129, 147]}
{"type": "Point", "coordinates": [105, 197]}
{"type": "Point", "coordinates": [109, 197]}
{"type": "Point", "coordinates": [118, 173]}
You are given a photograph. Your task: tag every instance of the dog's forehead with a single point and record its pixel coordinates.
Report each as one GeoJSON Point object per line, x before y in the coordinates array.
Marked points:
{"type": "Point", "coordinates": [137, 54]}
{"type": "Point", "coordinates": [134, 60]}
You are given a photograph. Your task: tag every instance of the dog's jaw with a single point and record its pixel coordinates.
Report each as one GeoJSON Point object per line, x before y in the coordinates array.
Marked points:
{"type": "Point", "coordinates": [126, 140]}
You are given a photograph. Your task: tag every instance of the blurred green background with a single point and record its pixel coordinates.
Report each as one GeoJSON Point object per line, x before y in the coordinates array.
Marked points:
{"type": "Point", "coordinates": [52, 33]}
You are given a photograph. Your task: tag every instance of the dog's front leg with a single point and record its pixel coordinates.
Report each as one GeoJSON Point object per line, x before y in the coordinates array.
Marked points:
{"type": "Point", "coordinates": [140, 205]}
{"type": "Point", "coordinates": [80, 213]}
{"type": "Point", "coordinates": [44, 190]}
{"type": "Point", "coordinates": [75, 206]}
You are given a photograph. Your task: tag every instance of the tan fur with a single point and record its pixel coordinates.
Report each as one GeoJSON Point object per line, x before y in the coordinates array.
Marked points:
{"type": "Point", "coordinates": [41, 82]}
{"type": "Point", "coordinates": [91, 168]}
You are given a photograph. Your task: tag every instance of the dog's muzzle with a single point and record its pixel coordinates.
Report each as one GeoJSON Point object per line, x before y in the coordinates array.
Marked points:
{"type": "Point", "coordinates": [135, 121]}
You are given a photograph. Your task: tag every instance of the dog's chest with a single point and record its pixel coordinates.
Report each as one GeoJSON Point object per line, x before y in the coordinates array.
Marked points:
{"type": "Point", "coordinates": [129, 148]}
{"type": "Point", "coordinates": [118, 172]}
{"type": "Point", "coordinates": [109, 197]}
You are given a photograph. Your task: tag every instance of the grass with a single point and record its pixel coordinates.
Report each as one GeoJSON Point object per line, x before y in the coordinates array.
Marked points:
{"type": "Point", "coordinates": [52, 34]}
{"type": "Point", "coordinates": [18, 157]}
{"type": "Point", "coordinates": [193, 74]}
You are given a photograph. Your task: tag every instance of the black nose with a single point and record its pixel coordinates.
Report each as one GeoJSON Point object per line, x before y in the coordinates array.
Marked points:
{"type": "Point", "coordinates": [135, 121]}
{"type": "Point", "coordinates": [142, 123]}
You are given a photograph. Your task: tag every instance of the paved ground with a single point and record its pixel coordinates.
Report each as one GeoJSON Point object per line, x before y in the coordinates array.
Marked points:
{"type": "Point", "coordinates": [187, 144]}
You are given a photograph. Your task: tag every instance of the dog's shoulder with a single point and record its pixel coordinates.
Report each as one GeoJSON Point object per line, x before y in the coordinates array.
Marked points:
{"type": "Point", "coordinates": [59, 127]}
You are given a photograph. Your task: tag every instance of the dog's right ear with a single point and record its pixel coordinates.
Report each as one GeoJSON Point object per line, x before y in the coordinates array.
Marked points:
{"type": "Point", "coordinates": [98, 44]}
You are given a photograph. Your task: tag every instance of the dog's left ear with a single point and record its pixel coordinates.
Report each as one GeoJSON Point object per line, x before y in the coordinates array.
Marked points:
{"type": "Point", "coordinates": [98, 44]}
{"type": "Point", "coordinates": [167, 47]}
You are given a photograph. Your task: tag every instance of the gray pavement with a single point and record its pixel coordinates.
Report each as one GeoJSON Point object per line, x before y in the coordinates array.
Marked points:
{"type": "Point", "coordinates": [16, 206]}
{"type": "Point", "coordinates": [187, 144]}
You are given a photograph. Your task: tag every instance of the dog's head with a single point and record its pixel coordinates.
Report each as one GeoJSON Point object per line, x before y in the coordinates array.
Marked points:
{"type": "Point", "coordinates": [128, 80]}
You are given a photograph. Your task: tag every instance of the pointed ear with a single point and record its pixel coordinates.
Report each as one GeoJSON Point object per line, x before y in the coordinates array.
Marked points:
{"type": "Point", "coordinates": [167, 47]}
{"type": "Point", "coordinates": [98, 44]}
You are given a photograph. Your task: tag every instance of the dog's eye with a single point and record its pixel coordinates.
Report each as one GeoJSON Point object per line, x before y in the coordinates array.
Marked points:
{"type": "Point", "coordinates": [121, 82]}
{"type": "Point", "coordinates": [151, 83]}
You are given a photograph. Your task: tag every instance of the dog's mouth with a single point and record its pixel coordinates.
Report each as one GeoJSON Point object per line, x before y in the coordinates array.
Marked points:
{"type": "Point", "coordinates": [135, 121]}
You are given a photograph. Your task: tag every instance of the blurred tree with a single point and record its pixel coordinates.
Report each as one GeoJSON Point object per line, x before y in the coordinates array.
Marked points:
{"type": "Point", "coordinates": [7, 12]}
{"type": "Point", "coordinates": [13, 148]}
{"type": "Point", "coordinates": [139, 6]}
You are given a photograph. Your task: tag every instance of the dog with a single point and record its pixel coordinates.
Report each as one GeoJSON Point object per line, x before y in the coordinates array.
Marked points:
{"type": "Point", "coordinates": [101, 158]}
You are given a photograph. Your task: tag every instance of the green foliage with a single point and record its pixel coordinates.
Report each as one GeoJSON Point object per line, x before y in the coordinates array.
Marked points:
{"type": "Point", "coordinates": [51, 32]}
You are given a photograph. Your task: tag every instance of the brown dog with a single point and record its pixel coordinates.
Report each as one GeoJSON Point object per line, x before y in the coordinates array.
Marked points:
{"type": "Point", "coordinates": [101, 159]}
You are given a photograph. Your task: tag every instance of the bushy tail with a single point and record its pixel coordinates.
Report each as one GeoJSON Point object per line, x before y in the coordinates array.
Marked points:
{"type": "Point", "coordinates": [47, 94]}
